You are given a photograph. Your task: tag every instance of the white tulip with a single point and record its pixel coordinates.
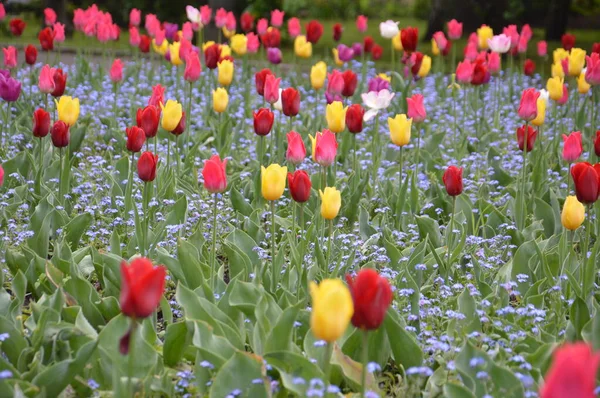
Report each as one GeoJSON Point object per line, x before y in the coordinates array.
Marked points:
{"type": "Point", "coordinates": [388, 29]}
{"type": "Point", "coordinates": [376, 101]}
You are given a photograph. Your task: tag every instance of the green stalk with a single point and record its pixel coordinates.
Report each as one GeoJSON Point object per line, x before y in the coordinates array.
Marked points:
{"type": "Point", "coordinates": [131, 358]}
{"type": "Point", "coordinates": [329, 245]}
{"type": "Point", "coordinates": [449, 234]}
{"type": "Point", "coordinates": [398, 209]}
{"type": "Point", "coordinates": [145, 249]}
{"type": "Point", "coordinates": [213, 257]}
{"type": "Point", "coordinates": [365, 360]}
{"type": "Point", "coordinates": [327, 366]}
{"type": "Point", "coordinates": [189, 119]}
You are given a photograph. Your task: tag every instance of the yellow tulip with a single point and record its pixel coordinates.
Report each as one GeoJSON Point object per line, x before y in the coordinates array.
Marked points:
{"type": "Point", "coordinates": [318, 73]}
{"type": "Point", "coordinates": [302, 47]}
{"type": "Point", "coordinates": [207, 44]}
{"type": "Point", "coordinates": [559, 54]}
{"type": "Point", "coordinates": [239, 44]}
{"type": "Point", "coordinates": [555, 88]}
{"type": "Point", "coordinates": [273, 181]}
{"type": "Point", "coordinates": [336, 57]}
{"type": "Point", "coordinates": [582, 85]}
{"type": "Point", "coordinates": [400, 127]}
{"type": "Point", "coordinates": [576, 61]}
{"type": "Point", "coordinates": [171, 115]}
{"type": "Point", "coordinates": [397, 42]}
{"type": "Point", "coordinates": [384, 77]}
{"type": "Point", "coordinates": [331, 201]}
{"type": "Point", "coordinates": [335, 113]}
{"type": "Point", "coordinates": [225, 72]}
{"type": "Point", "coordinates": [332, 309]}
{"type": "Point", "coordinates": [68, 109]}
{"type": "Point", "coordinates": [435, 50]}
{"type": "Point", "coordinates": [228, 33]}
{"type": "Point", "coordinates": [225, 50]}
{"type": "Point", "coordinates": [174, 53]}
{"type": "Point", "coordinates": [557, 70]}
{"type": "Point", "coordinates": [162, 49]}
{"type": "Point", "coordinates": [483, 34]}
{"type": "Point", "coordinates": [573, 213]}
{"type": "Point", "coordinates": [541, 113]}
{"type": "Point", "coordinates": [220, 99]}
{"type": "Point", "coordinates": [425, 66]}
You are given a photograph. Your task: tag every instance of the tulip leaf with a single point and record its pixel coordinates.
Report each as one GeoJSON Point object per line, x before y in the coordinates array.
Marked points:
{"type": "Point", "coordinates": [239, 203]}
{"type": "Point", "coordinates": [293, 367]}
{"type": "Point", "coordinates": [244, 374]}
{"type": "Point", "coordinates": [404, 347]}
{"type": "Point", "coordinates": [280, 336]}
{"type": "Point", "coordinates": [352, 370]}
{"type": "Point", "coordinates": [76, 228]}
{"type": "Point", "coordinates": [429, 227]}
{"type": "Point", "coordinates": [177, 338]}
{"type": "Point", "coordinates": [453, 390]}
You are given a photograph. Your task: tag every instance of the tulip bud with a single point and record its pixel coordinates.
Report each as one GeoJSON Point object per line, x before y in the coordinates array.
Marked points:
{"type": "Point", "coordinates": [171, 115]}
{"type": "Point", "coordinates": [332, 309]}
{"type": "Point", "coordinates": [273, 181]}
{"type": "Point", "coordinates": [300, 185]}
{"type": "Point", "coordinates": [135, 138]}
{"type": "Point", "coordinates": [296, 152]}
{"type": "Point", "coordinates": [331, 201]}
{"type": "Point", "coordinates": [220, 100]}
{"type": "Point", "coordinates": [41, 123]}
{"type": "Point", "coordinates": [271, 89]}
{"type": "Point", "coordinates": [116, 71]}
{"type": "Point", "coordinates": [587, 181]}
{"type": "Point", "coordinates": [528, 106]}
{"type": "Point", "coordinates": [573, 213]}
{"type": "Point", "coordinates": [350, 83]}
{"type": "Point", "coordinates": [215, 177]}
{"type": "Point", "coordinates": [263, 121]}
{"type": "Point", "coordinates": [453, 182]}
{"type": "Point", "coordinates": [147, 166]}
{"type": "Point", "coordinates": [416, 108]}
{"type": "Point", "coordinates": [371, 296]}
{"type": "Point", "coordinates": [290, 101]}
{"type": "Point", "coordinates": [225, 75]}
{"type": "Point", "coordinates": [30, 54]}
{"type": "Point", "coordinates": [529, 137]}
{"type": "Point", "coordinates": [572, 146]}
{"type": "Point", "coordinates": [324, 148]}
{"type": "Point", "coordinates": [259, 80]}
{"type": "Point", "coordinates": [192, 67]}
{"type": "Point", "coordinates": [60, 134]}
{"type": "Point", "coordinates": [335, 113]}
{"type": "Point", "coordinates": [147, 120]}
{"type": "Point", "coordinates": [354, 118]}
{"type": "Point", "coordinates": [60, 82]}
{"type": "Point", "coordinates": [400, 129]}
{"type": "Point", "coordinates": [142, 286]}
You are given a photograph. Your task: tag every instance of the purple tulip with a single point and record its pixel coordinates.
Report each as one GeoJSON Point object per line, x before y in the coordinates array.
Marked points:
{"type": "Point", "coordinates": [345, 53]}
{"type": "Point", "coordinates": [170, 30]}
{"type": "Point", "coordinates": [377, 84]}
{"type": "Point", "coordinates": [4, 73]}
{"type": "Point", "coordinates": [333, 97]}
{"type": "Point", "coordinates": [10, 89]}
{"type": "Point", "coordinates": [274, 55]}
{"type": "Point", "coordinates": [357, 48]}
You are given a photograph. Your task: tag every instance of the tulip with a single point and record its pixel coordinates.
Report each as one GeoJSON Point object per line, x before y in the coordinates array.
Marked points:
{"type": "Point", "coordinates": [171, 115]}
{"type": "Point", "coordinates": [483, 34]}
{"type": "Point", "coordinates": [147, 119]}
{"type": "Point", "coordinates": [371, 296]}
{"type": "Point", "coordinates": [46, 38]}
{"type": "Point", "coordinates": [192, 67]}
{"type": "Point", "coordinates": [30, 55]}
{"type": "Point", "coordinates": [592, 71]}
{"type": "Point", "coordinates": [324, 148]}
{"type": "Point", "coordinates": [555, 88]}
{"type": "Point", "coordinates": [68, 109]}
{"type": "Point", "coordinates": [336, 117]}
{"type": "Point", "coordinates": [212, 55]}
{"type": "Point", "coordinates": [565, 95]}
{"type": "Point", "coordinates": [572, 373]}
{"type": "Point", "coordinates": [335, 83]}
{"type": "Point", "coordinates": [247, 22]}
{"type": "Point", "coordinates": [239, 44]}
{"type": "Point", "coordinates": [263, 121]}
{"type": "Point", "coordinates": [135, 138]}
{"type": "Point", "coordinates": [528, 106]}
{"type": "Point", "coordinates": [531, 136]}
{"type": "Point", "coordinates": [277, 18]}
{"type": "Point", "coordinates": [350, 83]}
{"type": "Point", "coordinates": [259, 80]}
{"type": "Point", "coordinates": [1, 173]}
{"type": "Point", "coordinates": [215, 177]}
{"type": "Point", "coordinates": [290, 101]}
{"type": "Point", "coordinates": [572, 146]}
{"type": "Point", "coordinates": [142, 287]}
{"type": "Point", "coordinates": [376, 101]}
{"type": "Point", "coordinates": [361, 23]}
{"type": "Point", "coordinates": [10, 57]}
{"type": "Point", "coordinates": [376, 52]}
{"type": "Point", "coordinates": [344, 53]}
{"type": "Point", "coordinates": [60, 83]}
{"type": "Point", "coordinates": [49, 16]}
{"type": "Point", "coordinates": [314, 31]}
{"type": "Point", "coordinates": [542, 48]}
{"type": "Point", "coordinates": [294, 28]}
{"type": "Point", "coordinates": [453, 182]}
{"type": "Point", "coordinates": [296, 152]}
{"type": "Point", "coordinates": [597, 144]}
{"type": "Point", "coordinates": [331, 202]}
{"type": "Point", "coordinates": [274, 55]}
{"type": "Point", "coordinates": [300, 185]}
{"type": "Point", "coordinates": [587, 182]}
{"type": "Point", "coordinates": [144, 45]}
{"type": "Point", "coordinates": [377, 84]}
{"type": "Point", "coordinates": [147, 166]}
{"type": "Point", "coordinates": [568, 41]}
{"type": "Point", "coordinates": [499, 43]}
{"type": "Point", "coordinates": [46, 80]}
{"type": "Point", "coordinates": [332, 309]}
{"type": "Point", "coordinates": [528, 67]}
{"type": "Point", "coordinates": [354, 118]}
{"type": "Point", "coordinates": [425, 66]}
{"type": "Point", "coordinates": [134, 36]}
{"type": "Point", "coordinates": [464, 72]}
{"type": "Point", "coordinates": [252, 43]}
{"type": "Point", "coordinates": [271, 88]}
{"type": "Point", "coordinates": [225, 72]}
{"type": "Point", "coordinates": [302, 47]}
{"type": "Point", "coordinates": [481, 73]}
{"type": "Point", "coordinates": [271, 38]}
{"type": "Point", "coordinates": [220, 100]}
{"type": "Point", "coordinates": [262, 26]}
{"type": "Point", "coordinates": [16, 26]}
{"type": "Point", "coordinates": [368, 44]}
{"type": "Point", "coordinates": [440, 41]}
{"type": "Point", "coordinates": [582, 86]}
{"type": "Point", "coordinates": [41, 123]}
{"type": "Point", "coordinates": [573, 213]}
{"type": "Point", "coordinates": [455, 29]}
{"type": "Point", "coordinates": [416, 108]}
{"type": "Point", "coordinates": [337, 32]}
{"type": "Point", "coordinates": [576, 61]}
{"type": "Point", "coordinates": [60, 134]}
{"type": "Point", "coordinates": [397, 43]}
{"type": "Point", "coordinates": [318, 73]}
{"type": "Point", "coordinates": [409, 37]}
{"type": "Point", "coordinates": [135, 17]}
{"type": "Point", "coordinates": [541, 112]}
{"type": "Point", "coordinates": [400, 128]}
{"type": "Point", "coordinates": [273, 181]}
{"type": "Point", "coordinates": [388, 29]}
{"type": "Point", "coordinates": [116, 71]}
{"type": "Point", "coordinates": [435, 50]}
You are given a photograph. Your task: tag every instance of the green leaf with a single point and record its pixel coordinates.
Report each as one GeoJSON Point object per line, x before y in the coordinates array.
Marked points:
{"type": "Point", "coordinates": [243, 372]}
{"type": "Point", "coordinates": [405, 348]}
{"type": "Point", "coordinates": [291, 366]}
{"type": "Point", "coordinates": [428, 226]}
{"type": "Point", "coordinates": [579, 315]}
{"type": "Point", "coordinates": [280, 337]}
{"type": "Point", "coordinates": [177, 338]}
{"type": "Point", "coordinates": [75, 229]}
{"type": "Point", "coordinates": [239, 203]}
{"type": "Point", "coordinates": [452, 390]}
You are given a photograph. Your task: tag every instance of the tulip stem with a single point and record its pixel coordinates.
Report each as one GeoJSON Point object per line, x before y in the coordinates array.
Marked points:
{"type": "Point", "coordinates": [273, 273]}
{"type": "Point", "coordinates": [586, 248]}
{"type": "Point", "coordinates": [301, 218]}
{"type": "Point", "coordinates": [393, 55]}
{"type": "Point", "coordinates": [327, 364]}
{"type": "Point", "coordinates": [398, 199]}
{"type": "Point", "coordinates": [449, 235]}
{"type": "Point", "coordinates": [213, 257]}
{"type": "Point", "coordinates": [329, 246]}
{"type": "Point", "coordinates": [145, 249]}
{"type": "Point", "coordinates": [60, 172]}
{"type": "Point", "coordinates": [355, 166]}
{"type": "Point", "coordinates": [177, 153]}
{"type": "Point", "coordinates": [365, 361]}
{"type": "Point", "coordinates": [189, 118]}
{"type": "Point", "coordinates": [131, 358]}
{"type": "Point", "coordinates": [524, 179]}
{"type": "Point", "coordinates": [417, 162]}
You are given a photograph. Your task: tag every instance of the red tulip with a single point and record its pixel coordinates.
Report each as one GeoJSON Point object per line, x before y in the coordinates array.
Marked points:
{"type": "Point", "coordinates": [529, 67]}
{"type": "Point", "coordinates": [263, 121]}
{"type": "Point", "coordinates": [148, 119]}
{"type": "Point", "coordinates": [409, 37]}
{"type": "Point", "coordinates": [142, 286]}
{"type": "Point", "coordinates": [30, 54]}
{"type": "Point", "coordinates": [157, 97]}
{"type": "Point", "coordinates": [481, 74]}
{"type": "Point", "coordinates": [587, 181]}
{"type": "Point", "coordinates": [368, 44]}
{"type": "Point", "coordinates": [314, 30]}
{"type": "Point", "coordinates": [354, 118]}
{"type": "Point", "coordinates": [453, 181]}
{"type": "Point", "coordinates": [350, 83]}
{"type": "Point", "coordinates": [215, 177]}
{"type": "Point", "coordinates": [416, 59]}
{"type": "Point", "coordinates": [528, 106]}
{"type": "Point", "coordinates": [299, 184]}
{"type": "Point", "coordinates": [135, 138]}
{"type": "Point", "coordinates": [46, 38]}
{"type": "Point", "coordinates": [147, 166]}
{"type": "Point", "coordinates": [290, 101]}
{"type": "Point", "coordinates": [572, 147]}
{"type": "Point", "coordinates": [271, 89]}
{"type": "Point", "coordinates": [247, 22]}
{"type": "Point", "coordinates": [60, 82]}
{"type": "Point", "coordinates": [296, 151]}
{"type": "Point", "coordinates": [1, 176]}
{"type": "Point", "coordinates": [597, 143]}
{"type": "Point", "coordinates": [16, 26]}
{"type": "Point", "coordinates": [372, 296]}
{"type": "Point", "coordinates": [271, 38]}
{"type": "Point", "coordinates": [531, 136]}
{"type": "Point", "coordinates": [259, 80]}
{"type": "Point", "coordinates": [568, 41]}
{"type": "Point", "coordinates": [573, 372]}
{"type": "Point", "coordinates": [192, 67]}
{"type": "Point", "coordinates": [337, 31]}
{"type": "Point", "coordinates": [144, 45]}
{"type": "Point", "coordinates": [596, 48]}
{"type": "Point", "coordinates": [41, 123]}
{"type": "Point", "coordinates": [180, 128]}
{"type": "Point", "coordinates": [416, 108]}
{"type": "Point", "coordinates": [376, 52]}
{"type": "Point", "coordinates": [60, 134]}
{"type": "Point", "coordinates": [212, 56]}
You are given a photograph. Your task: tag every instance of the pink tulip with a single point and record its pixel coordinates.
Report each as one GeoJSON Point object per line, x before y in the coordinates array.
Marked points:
{"type": "Point", "coordinates": [512, 32]}
{"type": "Point", "coordinates": [522, 46]}
{"type": "Point", "coordinates": [526, 32]}
{"type": "Point", "coordinates": [335, 82]}
{"type": "Point", "coordinates": [49, 16]}
{"type": "Point", "coordinates": [277, 18]}
{"type": "Point", "coordinates": [471, 51]}
{"type": "Point", "coordinates": [2, 16]}
{"type": "Point", "coordinates": [205, 14]}
{"type": "Point", "coordinates": [230, 22]}
{"type": "Point", "coordinates": [187, 31]}
{"type": "Point", "coordinates": [152, 24]}
{"type": "Point", "coordinates": [116, 71]}
{"type": "Point", "coordinates": [10, 57]}
{"type": "Point", "coordinates": [325, 148]}
{"type": "Point", "coordinates": [192, 67]}
{"type": "Point", "coordinates": [221, 18]}
{"type": "Point", "coordinates": [361, 23]}
{"type": "Point", "coordinates": [440, 40]}
{"type": "Point", "coordinates": [473, 39]}
{"type": "Point", "coordinates": [261, 26]}
{"type": "Point", "coordinates": [573, 372]}
{"type": "Point", "coordinates": [274, 55]}
{"type": "Point", "coordinates": [252, 43]}
{"type": "Point", "coordinates": [185, 48]}
{"type": "Point", "coordinates": [455, 29]}
{"type": "Point", "coordinates": [89, 29]}
{"type": "Point", "coordinates": [528, 106]}
{"type": "Point", "coordinates": [296, 152]}
{"type": "Point", "coordinates": [416, 108]}
{"type": "Point", "coordinates": [160, 36]}
{"type": "Point", "coordinates": [294, 28]}
{"type": "Point", "coordinates": [493, 62]}
{"type": "Point", "coordinates": [271, 89]}
{"type": "Point", "coordinates": [542, 48]}
{"type": "Point", "coordinates": [103, 32]}
{"type": "Point", "coordinates": [46, 80]}
{"type": "Point", "coordinates": [157, 97]}
{"type": "Point", "coordinates": [565, 97]}
{"type": "Point", "coordinates": [572, 146]}
{"type": "Point", "coordinates": [59, 32]}
{"type": "Point", "coordinates": [134, 36]}
{"type": "Point", "coordinates": [464, 72]}
{"type": "Point", "coordinates": [135, 17]}
{"type": "Point", "coordinates": [345, 53]}
{"type": "Point", "coordinates": [592, 72]}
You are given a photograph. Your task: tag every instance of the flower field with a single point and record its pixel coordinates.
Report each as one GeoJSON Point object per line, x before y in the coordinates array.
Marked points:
{"type": "Point", "coordinates": [224, 219]}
